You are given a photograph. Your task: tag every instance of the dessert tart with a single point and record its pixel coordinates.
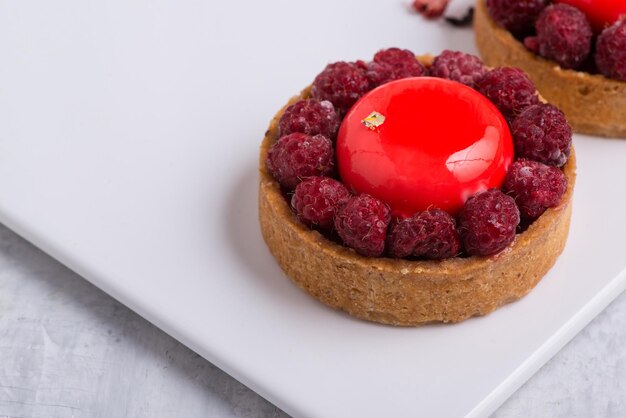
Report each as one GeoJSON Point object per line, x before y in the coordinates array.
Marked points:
{"type": "Point", "coordinates": [481, 220]}
{"type": "Point", "coordinates": [577, 60]}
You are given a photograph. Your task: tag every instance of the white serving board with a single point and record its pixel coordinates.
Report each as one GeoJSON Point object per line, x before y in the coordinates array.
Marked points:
{"type": "Point", "coordinates": [129, 133]}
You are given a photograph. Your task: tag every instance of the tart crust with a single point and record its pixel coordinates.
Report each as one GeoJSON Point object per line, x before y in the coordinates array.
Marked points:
{"type": "Point", "coordinates": [592, 103]}
{"type": "Point", "coordinates": [405, 292]}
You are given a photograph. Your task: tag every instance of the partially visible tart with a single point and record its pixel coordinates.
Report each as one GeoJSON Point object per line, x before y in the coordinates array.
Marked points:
{"type": "Point", "coordinates": [594, 104]}
{"type": "Point", "coordinates": [406, 292]}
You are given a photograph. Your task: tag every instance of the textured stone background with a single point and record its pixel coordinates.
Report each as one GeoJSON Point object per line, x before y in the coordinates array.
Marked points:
{"type": "Point", "coordinates": [69, 350]}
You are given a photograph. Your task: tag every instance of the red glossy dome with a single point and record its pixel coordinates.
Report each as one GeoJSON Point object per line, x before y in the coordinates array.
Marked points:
{"type": "Point", "coordinates": [601, 13]}
{"type": "Point", "coordinates": [440, 143]}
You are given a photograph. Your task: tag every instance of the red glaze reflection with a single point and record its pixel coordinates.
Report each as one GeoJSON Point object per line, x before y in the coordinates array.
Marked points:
{"type": "Point", "coordinates": [601, 13]}
{"type": "Point", "coordinates": [440, 143]}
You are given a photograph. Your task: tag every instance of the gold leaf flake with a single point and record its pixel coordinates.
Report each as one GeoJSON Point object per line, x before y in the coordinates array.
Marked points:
{"type": "Point", "coordinates": [373, 120]}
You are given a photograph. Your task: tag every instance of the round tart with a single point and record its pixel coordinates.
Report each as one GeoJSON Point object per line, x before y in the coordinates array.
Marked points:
{"type": "Point", "coordinates": [406, 292]}
{"type": "Point", "coordinates": [593, 103]}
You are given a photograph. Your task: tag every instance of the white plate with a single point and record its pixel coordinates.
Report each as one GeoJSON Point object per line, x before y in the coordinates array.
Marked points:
{"type": "Point", "coordinates": [129, 133]}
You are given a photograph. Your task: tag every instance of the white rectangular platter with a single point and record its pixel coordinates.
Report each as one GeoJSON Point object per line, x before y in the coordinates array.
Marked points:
{"type": "Point", "coordinates": [129, 133]}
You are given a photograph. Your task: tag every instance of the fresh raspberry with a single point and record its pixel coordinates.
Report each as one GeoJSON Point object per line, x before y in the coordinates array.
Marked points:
{"type": "Point", "coordinates": [402, 237]}
{"type": "Point", "coordinates": [393, 64]}
{"type": "Point", "coordinates": [458, 66]}
{"type": "Point", "coordinates": [430, 8]}
{"type": "Point", "coordinates": [563, 35]}
{"type": "Point", "coordinates": [541, 133]}
{"type": "Point", "coordinates": [509, 89]}
{"type": "Point", "coordinates": [342, 84]}
{"type": "Point", "coordinates": [311, 117]}
{"type": "Point", "coordinates": [316, 199]}
{"type": "Point", "coordinates": [611, 51]}
{"type": "Point", "coordinates": [362, 224]}
{"type": "Point", "coordinates": [297, 155]}
{"type": "Point", "coordinates": [532, 44]}
{"type": "Point", "coordinates": [534, 186]}
{"type": "Point", "coordinates": [517, 16]}
{"type": "Point", "coordinates": [487, 222]}
{"type": "Point", "coordinates": [431, 234]}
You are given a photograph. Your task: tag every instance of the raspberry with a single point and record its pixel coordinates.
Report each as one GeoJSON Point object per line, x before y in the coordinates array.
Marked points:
{"type": "Point", "coordinates": [431, 234]}
{"type": "Point", "coordinates": [541, 133]}
{"type": "Point", "coordinates": [393, 64]}
{"type": "Point", "coordinates": [563, 35]}
{"type": "Point", "coordinates": [517, 16]}
{"type": "Point", "coordinates": [487, 222]}
{"type": "Point", "coordinates": [315, 200]}
{"type": "Point", "coordinates": [509, 89]}
{"type": "Point", "coordinates": [402, 237]}
{"type": "Point", "coordinates": [297, 155]}
{"type": "Point", "coordinates": [311, 117]}
{"type": "Point", "coordinates": [430, 8]}
{"type": "Point", "coordinates": [534, 186]}
{"type": "Point", "coordinates": [362, 224]}
{"type": "Point", "coordinates": [532, 44]}
{"type": "Point", "coordinates": [611, 51]}
{"type": "Point", "coordinates": [342, 84]}
{"type": "Point", "coordinates": [458, 66]}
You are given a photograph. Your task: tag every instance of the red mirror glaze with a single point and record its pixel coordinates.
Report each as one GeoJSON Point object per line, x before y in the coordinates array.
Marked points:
{"type": "Point", "coordinates": [601, 13]}
{"type": "Point", "coordinates": [441, 142]}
